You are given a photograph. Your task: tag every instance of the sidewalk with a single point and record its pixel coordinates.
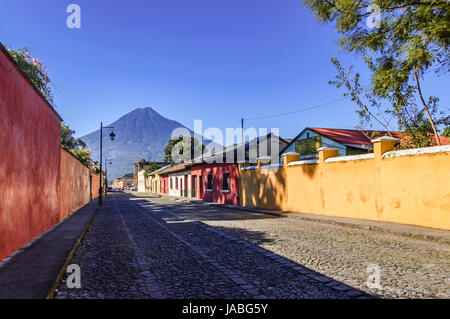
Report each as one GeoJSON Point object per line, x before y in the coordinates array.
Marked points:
{"type": "Point", "coordinates": [31, 272]}
{"type": "Point", "coordinates": [417, 232]}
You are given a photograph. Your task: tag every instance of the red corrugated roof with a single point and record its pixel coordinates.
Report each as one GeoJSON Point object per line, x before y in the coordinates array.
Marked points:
{"type": "Point", "coordinates": [176, 168]}
{"type": "Point", "coordinates": [352, 137]}
{"type": "Point", "coordinates": [444, 140]}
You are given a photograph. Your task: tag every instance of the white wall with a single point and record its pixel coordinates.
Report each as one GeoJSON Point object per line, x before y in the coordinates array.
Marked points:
{"type": "Point", "coordinates": [141, 181]}
{"type": "Point", "coordinates": [182, 185]}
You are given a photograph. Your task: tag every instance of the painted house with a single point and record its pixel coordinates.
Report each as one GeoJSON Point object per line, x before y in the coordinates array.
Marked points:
{"type": "Point", "coordinates": [348, 142]}
{"type": "Point", "coordinates": [153, 182]}
{"type": "Point", "coordinates": [215, 178]}
{"type": "Point", "coordinates": [163, 183]}
{"type": "Point", "coordinates": [216, 182]}
{"type": "Point", "coordinates": [178, 179]}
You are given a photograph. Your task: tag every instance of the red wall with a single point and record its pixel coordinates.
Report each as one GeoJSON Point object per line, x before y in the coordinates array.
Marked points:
{"type": "Point", "coordinates": [217, 170]}
{"type": "Point", "coordinates": [30, 138]}
{"type": "Point", "coordinates": [164, 183]}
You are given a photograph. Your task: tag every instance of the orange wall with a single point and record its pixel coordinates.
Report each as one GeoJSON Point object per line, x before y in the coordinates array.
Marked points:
{"type": "Point", "coordinates": [74, 186]}
{"type": "Point", "coordinates": [95, 185]}
{"type": "Point", "coordinates": [412, 189]}
{"type": "Point", "coordinates": [263, 190]}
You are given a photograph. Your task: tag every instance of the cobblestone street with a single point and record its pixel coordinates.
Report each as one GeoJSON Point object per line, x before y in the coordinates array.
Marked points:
{"type": "Point", "coordinates": [167, 248]}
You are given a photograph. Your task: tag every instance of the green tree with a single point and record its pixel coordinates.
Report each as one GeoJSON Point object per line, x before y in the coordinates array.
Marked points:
{"type": "Point", "coordinates": [410, 38]}
{"type": "Point", "coordinates": [76, 146]}
{"type": "Point", "coordinates": [35, 70]}
{"type": "Point", "coordinates": [153, 167]}
{"type": "Point", "coordinates": [446, 132]}
{"type": "Point", "coordinates": [182, 149]}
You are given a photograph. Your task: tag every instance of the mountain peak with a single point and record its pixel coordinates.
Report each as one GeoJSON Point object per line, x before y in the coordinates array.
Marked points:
{"type": "Point", "coordinates": [141, 133]}
{"type": "Point", "coordinates": [143, 110]}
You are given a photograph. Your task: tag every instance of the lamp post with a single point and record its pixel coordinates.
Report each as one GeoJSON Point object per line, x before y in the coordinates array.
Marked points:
{"type": "Point", "coordinates": [112, 136]}
{"type": "Point", "coordinates": [106, 174]}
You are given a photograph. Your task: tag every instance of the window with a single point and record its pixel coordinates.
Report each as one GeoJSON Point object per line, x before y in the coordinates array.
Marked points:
{"type": "Point", "coordinates": [226, 182]}
{"type": "Point", "coordinates": [170, 183]}
{"type": "Point", "coordinates": [176, 183]}
{"type": "Point", "coordinates": [210, 181]}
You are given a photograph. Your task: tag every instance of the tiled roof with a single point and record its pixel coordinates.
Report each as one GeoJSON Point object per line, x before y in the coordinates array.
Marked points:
{"type": "Point", "coordinates": [352, 138]}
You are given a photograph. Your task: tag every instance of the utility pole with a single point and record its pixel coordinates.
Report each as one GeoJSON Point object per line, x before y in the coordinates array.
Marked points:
{"type": "Point", "coordinates": [243, 142]}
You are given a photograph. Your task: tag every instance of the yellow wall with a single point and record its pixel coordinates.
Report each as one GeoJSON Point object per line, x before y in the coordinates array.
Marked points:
{"type": "Point", "coordinates": [153, 183]}
{"type": "Point", "coordinates": [413, 189]}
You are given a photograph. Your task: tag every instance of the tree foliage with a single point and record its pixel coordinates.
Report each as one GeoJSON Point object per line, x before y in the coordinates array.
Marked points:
{"type": "Point", "coordinates": [35, 70]}
{"type": "Point", "coordinates": [76, 146]}
{"type": "Point", "coordinates": [153, 167]}
{"type": "Point", "coordinates": [183, 149]}
{"type": "Point", "coordinates": [411, 38]}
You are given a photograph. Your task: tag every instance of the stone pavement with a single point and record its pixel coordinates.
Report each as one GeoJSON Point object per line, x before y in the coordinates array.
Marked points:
{"type": "Point", "coordinates": [142, 248]}
{"type": "Point", "coordinates": [346, 252]}
{"type": "Point", "coordinates": [147, 247]}
{"type": "Point", "coordinates": [31, 272]}
{"type": "Point", "coordinates": [430, 234]}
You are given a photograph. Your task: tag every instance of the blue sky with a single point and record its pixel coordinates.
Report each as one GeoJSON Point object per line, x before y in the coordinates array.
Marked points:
{"type": "Point", "coordinates": [215, 60]}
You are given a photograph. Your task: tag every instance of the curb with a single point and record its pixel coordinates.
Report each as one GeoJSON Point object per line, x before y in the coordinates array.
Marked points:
{"type": "Point", "coordinates": [245, 209]}
{"type": "Point", "coordinates": [379, 229]}
{"type": "Point", "coordinates": [51, 293]}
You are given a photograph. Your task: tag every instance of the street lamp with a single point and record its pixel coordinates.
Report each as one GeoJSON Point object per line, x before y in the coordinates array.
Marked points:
{"type": "Point", "coordinates": [106, 174]}
{"type": "Point", "coordinates": [112, 136]}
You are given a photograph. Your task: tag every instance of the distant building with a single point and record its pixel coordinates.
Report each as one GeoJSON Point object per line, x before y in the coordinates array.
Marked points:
{"type": "Point", "coordinates": [139, 173]}
{"type": "Point", "coordinates": [141, 181]}
{"type": "Point", "coordinates": [123, 182]}
{"type": "Point", "coordinates": [139, 166]}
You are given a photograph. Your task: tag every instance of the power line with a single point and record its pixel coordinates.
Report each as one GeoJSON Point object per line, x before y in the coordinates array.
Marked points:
{"type": "Point", "coordinates": [297, 111]}
{"type": "Point", "coordinates": [309, 107]}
